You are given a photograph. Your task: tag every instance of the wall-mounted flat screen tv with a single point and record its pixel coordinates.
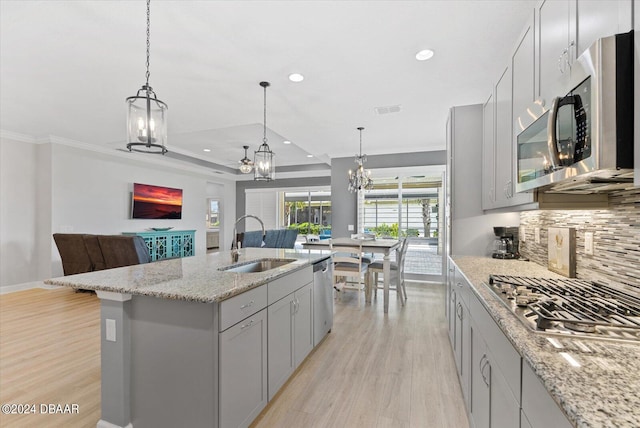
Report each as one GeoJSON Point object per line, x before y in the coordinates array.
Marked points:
{"type": "Point", "coordinates": [156, 202]}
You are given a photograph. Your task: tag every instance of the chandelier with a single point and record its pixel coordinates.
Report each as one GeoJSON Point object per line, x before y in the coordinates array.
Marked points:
{"type": "Point", "coordinates": [146, 115]}
{"type": "Point", "coordinates": [360, 179]}
{"type": "Point", "coordinates": [263, 163]}
{"type": "Point", "coordinates": [246, 166]}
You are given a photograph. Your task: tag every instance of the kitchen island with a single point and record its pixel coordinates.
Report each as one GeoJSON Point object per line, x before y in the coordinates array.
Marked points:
{"type": "Point", "coordinates": [594, 382]}
{"type": "Point", "coordinates": [185, 342]}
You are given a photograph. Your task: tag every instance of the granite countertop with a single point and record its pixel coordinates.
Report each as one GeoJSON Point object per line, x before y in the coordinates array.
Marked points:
{"type": "Point", "coordinates": [196, 278]}
{"type": "Point", "coordinates": [602, 392]}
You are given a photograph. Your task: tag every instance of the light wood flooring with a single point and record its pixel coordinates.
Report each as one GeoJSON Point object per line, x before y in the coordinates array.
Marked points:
{"type": "Point", "coordinates": [372, 370]}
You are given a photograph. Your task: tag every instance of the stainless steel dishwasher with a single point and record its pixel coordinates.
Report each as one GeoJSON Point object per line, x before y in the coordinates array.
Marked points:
{"type": "Point", "coordinates": [323, 299]}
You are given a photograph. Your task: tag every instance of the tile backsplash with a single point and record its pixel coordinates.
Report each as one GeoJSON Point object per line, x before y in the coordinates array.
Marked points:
{"type": "Point", "coordinates": [616, 238]}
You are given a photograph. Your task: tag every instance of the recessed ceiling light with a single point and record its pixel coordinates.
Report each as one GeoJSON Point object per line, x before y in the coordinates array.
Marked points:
{"type": "Point", "coordinates": [424, 55]}
{"type": "Point", "coordinates": [309, 156]}
{"type": "Point", "coordinates": [286, 142]}
{"type": "Point", "coordinates": [296, 77]}
{"type": "Point", "coordinates": [206, 150]}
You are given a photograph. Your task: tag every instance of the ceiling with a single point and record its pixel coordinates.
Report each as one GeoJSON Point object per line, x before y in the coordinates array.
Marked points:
{"type": "Point", "coordinates": [66, 68]}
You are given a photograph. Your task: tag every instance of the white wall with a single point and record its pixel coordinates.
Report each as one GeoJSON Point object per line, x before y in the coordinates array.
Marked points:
{"type": "Point", "coordinates": [53, 187]}
{"type": "Point", "coordinates": [18, 178]}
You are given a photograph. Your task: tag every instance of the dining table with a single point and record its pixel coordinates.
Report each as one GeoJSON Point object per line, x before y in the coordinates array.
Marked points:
{"type": "Point", "coordinates": [375, 246]}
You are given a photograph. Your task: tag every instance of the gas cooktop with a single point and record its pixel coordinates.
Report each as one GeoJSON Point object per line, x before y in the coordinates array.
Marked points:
{"type": "Point", "coordinates": [570, 307]}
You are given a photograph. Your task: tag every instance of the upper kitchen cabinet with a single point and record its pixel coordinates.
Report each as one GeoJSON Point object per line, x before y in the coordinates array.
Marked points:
{"type": "Point", "coordinates": [488, 155]}
{"type": "Point", "coordinates": [566, 28]}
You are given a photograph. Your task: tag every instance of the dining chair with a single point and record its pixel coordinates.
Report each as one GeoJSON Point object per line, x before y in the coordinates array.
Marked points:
{"type": "Point", "coordinates": [397, 270]}
{"type": "Point", "coordinates": [348, 263]}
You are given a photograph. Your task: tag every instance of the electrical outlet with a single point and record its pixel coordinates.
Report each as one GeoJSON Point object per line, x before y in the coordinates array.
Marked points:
{"type": "Point", "coordinates": [537, 235]}
{"type": "Point", "coordinates": [350, 228]}
{"type": "Point", "coordinates": [110, 328]}
{"type": "Point", "coordinates": [588, 243]}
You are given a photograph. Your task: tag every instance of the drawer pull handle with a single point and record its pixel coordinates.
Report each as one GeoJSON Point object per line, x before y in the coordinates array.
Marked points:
{"type": "Point", "coordinates": [459, 284]}
{"type": "Point", "coordinates": [246, 305]}
{"type": "Point", "coordinates": [249, 324]}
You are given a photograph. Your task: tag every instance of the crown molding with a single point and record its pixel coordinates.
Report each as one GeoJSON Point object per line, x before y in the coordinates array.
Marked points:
{"type": "Point", "coordinates": [9, 135]}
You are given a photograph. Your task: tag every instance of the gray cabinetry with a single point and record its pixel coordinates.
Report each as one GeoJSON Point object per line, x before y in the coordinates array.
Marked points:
{"type": "Point", "coordinates": [495, 373]}
{"type": "Point", "coordinates": [566, 29]}
{"type": "Point", "coordinates": [290, 335]}
{"type": "Point", "coordinates": [538, 408]}
{"type": "Point", "coordinates": [504, 153]}
{"type": "Point", "coordinates": [488, 154]}
{"type": "Point", "coordinates": [555, 44]}
{"type": "Point", "coordinates": [243, 371]}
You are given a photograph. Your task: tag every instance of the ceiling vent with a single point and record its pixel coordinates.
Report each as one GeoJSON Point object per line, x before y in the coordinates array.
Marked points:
{"type": "Point", "coordinates": [387, 109]}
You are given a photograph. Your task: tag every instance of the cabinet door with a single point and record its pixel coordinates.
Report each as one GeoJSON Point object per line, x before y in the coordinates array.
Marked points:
{"type": "Point", "coordinates": [601, 18]}
{"type": "Point", "coordinates": [480, 381]}
{"type": "Point", "coordinates": [488, 154]}
{"type": "Point", "coordinates": [505, 410]}
{"type": "Point", "coordinates": [537, 404]}
{"type": "Point", "coordinates": [303, 323]}
{"type": "Point", "coordinates": [452, 317]}
{"type": "Point", "coordinates": [466, 355]}
{"type": "Point", "coordinates": [523, 67]}
{"type": "Point", "coordinates": [554, 27]}
{"type": "Point", "coordinates": [458, 336]}
{"type": "Point", "coordinates": [243, 371]}
{"type": "Point", "coordinates": [280, 336]}
{"type": "Point", "coordinates": [504, 158]}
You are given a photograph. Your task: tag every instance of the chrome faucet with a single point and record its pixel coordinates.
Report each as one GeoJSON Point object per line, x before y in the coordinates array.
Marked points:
{"type": "Point", "coordinates": [234, 244]}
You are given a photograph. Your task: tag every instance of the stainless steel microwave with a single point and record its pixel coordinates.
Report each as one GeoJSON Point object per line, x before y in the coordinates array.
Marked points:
{"type": "Point", "coordinates": [583, 143]}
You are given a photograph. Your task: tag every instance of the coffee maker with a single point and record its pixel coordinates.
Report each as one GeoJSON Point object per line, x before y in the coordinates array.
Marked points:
{"type": "Point", "coordinates": [506, 243]}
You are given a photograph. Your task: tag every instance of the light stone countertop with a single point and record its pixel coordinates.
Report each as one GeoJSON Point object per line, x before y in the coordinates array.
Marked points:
{"type": "Point", "coordinates": [196, 278]}
{"type": "Point", "coordinates": [603, 392]}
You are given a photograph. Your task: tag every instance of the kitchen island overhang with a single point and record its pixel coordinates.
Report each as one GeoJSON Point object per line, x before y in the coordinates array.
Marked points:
{"type": "Point", "coordinates": [161, 329]}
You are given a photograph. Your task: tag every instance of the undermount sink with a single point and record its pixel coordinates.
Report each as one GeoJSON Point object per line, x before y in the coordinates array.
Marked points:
{"type": "Point", "coordinates": [254, 266]}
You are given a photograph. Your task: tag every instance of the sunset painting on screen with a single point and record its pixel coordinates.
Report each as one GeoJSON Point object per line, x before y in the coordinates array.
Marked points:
{"type": "Point", "coordinates": [156, 202]}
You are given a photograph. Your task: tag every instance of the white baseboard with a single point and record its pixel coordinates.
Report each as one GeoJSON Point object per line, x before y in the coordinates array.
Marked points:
{"type": "Point", "coordinates": [26, 286]}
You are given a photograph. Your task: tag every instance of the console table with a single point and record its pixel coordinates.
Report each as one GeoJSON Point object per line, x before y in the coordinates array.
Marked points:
{"type": "Point", "coordinates": [168, 244]}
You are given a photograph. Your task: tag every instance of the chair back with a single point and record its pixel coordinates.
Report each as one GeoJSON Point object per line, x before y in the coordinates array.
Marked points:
{"type": "Point", "coordinates": [401, 256]}
{"type": "Point", "coordinates": [347, 259]}
{"type": "Point", "coordinates": [73, 253]}
{"type": "Point", "coordinates": [119, 251]}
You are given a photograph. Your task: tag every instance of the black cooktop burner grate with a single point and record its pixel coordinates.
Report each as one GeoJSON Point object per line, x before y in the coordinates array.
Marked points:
{"type": "Point", "coordinates": [576, 303]}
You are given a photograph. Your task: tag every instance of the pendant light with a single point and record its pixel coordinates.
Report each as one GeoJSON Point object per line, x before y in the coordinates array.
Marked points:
{"type": "Point", "coordinates": [146, 115]}
{"type": "Point", "coordinates": [263, 162]}
{"type": "Point", "coordinates": [360, 179]}
{"type": "Point", "coordinates": [246, 166]}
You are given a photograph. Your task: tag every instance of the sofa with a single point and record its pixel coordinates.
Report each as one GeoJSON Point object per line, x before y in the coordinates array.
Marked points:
{"type": "Point", "coordinates": [82, 253]}
{"type": "Point", "coordinates": [274, 238]}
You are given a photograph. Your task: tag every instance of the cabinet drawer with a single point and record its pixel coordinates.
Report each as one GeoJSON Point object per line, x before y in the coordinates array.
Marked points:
{"type": "Point", "coordinates": [241, 306]}
{"type": "Point", "coordinates": [289, 283]}
{"type": "Point", "coordinates": [503, 353]}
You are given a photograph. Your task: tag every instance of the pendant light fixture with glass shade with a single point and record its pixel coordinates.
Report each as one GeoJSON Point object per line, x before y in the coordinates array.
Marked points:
{"type": "Point", "coordinates": [360, 179]}
{"type": "Point", "coordinates": [263, 162]}
{"type": "Point", "coordinates": [146, 115]}
{"type": "Point", "coordinates": [246, 166]}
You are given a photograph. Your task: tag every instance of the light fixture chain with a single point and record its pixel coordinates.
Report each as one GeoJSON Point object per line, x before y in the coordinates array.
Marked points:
{"type": "Point", "coordinates": [148, 37]}
{"type": "Point", "coordinates": [264, 136]}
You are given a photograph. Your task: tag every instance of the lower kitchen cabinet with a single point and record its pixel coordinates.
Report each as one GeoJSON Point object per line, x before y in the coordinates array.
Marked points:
{"type": "Point", "coordinates": [492, 402]}
{"type": "Point", "coordinates": [489, 367]}
{"type": "Point", "coordinates": [290, 335]}
{"type": "Point", "coordinates": [538, 408]}
{"type": "Point", "coordinates": [243, 371]}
